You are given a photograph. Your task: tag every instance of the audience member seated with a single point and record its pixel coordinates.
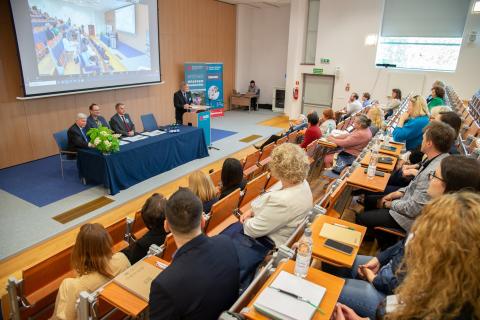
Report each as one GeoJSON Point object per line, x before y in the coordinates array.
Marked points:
{"type": "Point", "coordinates": [352, 143]}
{"type": "Point", "coordinates": [353, 105]}
{"type": "Point", "coordinates": [436, 83]}
{"type": "Point", "coordinates": [203, 279]}
{"type": "Point", "coordinates": [94, 264]}
{"type": "Point", "coordinates": [440, 248]}
{"type": "Point", "coordinates": [275, 214]}
{"type": "Point", "coordinates": [77, 135]}
{"type": "Point", "coordinates": [153, 216]}
{"type": "Point", "coordinates": [438, 94]}
{"type": "Point", "coordinates": [202, 186]}
{"type": "Point", "coordinates": [453, 120]}
{"type": "Point", "coordinates": [435, 112]}
{"type": "Point", "coordinates": [393, 103]}
{"type": "Point", "coordinates": [328, 122]}
{"type": "Point", "coordinates": [372, 278]}
{"type": "Point", "coordinates": [313, 131]}
{"type": "Point", "coordinates": [400, 208]}
{"type": "Point", "coordinates": [121, 122]}
{"type": "Point", "coordinates": [411, 123]}
{"type": "Point", "coordinates": [95, 120]}
{"type": "Point", "coordinates": [366, 100]}
{"type": "Point", "coordinates": [232, 177]}
{"type": "Point", "coordinates": [299, 124]}
{"type": "Point", "coordinates": [375, 113]}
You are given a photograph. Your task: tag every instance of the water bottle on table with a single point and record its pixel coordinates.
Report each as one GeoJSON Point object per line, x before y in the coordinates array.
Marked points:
{"type": "Point", "coordinates": [304, 253]}
{"type": "Point", "coordinates": [372, 166]}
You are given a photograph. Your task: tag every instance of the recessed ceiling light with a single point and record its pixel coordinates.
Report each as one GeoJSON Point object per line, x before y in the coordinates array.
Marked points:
{"type": "Point", "coordinates": [476, 7]}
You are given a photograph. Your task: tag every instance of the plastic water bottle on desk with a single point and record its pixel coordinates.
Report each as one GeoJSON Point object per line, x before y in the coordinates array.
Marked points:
{"type": "Point", "coordinates": [372, 166]}
{"type": "Point", "coordinates": [304, 254]}
{"type": "Point", "coordinates": [386, 141]}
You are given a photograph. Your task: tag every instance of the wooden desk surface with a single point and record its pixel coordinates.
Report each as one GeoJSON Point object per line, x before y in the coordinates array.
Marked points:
{"type": "Point", "coordinates": [124, 300]}
{"type": "Point", "coordinates": [360, 179]}
{"type": "Point", "coordinates": [241, 100]}
{"type": "Point", "coordinates": [380, 166]}
{"type": "Point", "coordinates": [396, 153]}
{"type": "Point", "coordinates": [334, 286]}
{"type": "Point", "coordinates": [323, 253]}
{"type": "Point", "coordinates": [327, 143]}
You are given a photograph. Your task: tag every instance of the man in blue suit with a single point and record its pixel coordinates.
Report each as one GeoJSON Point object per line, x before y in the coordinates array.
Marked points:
{"type": "Point", "coordinates": [203, 278]}
{"type": "Point", "coordinates": [95, 120]}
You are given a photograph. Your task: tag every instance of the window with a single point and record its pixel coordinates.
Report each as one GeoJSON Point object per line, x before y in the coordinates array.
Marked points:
{"type": "Point", "coordinates": [476, 7]}
{"type": "Point", "coordinates": [311, 32]}
{"type": "Point", "coordinates": [419, 52]}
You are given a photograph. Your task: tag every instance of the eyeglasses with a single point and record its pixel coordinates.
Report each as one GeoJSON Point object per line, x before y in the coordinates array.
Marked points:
{"type": "Point", "coordinates": [432, 175]}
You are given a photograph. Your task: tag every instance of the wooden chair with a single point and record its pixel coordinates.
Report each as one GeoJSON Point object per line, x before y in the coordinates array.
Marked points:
{"type": "Point", "coordinates": [311, 149]}
{"type": "Point", "coordinates": [473, 129]}
{"type": "Point", "coordinates": [138, 227]}
{"type": "Point", "coordinates": [266, 152]}
{"type": "Point", "coordinates": [396, 232]}
{"type": "Point", "coordinates": [169, 248]}
{"type": "Point", "coordinates": [251, 164]}
{"type": "Point", "coordinates": [216, 177]}
{"type": "Point", "coordinates": [282, 140]}
{"type": "Point", "coordinates": [118, 232]}
{"type": "Point", "coordinates": [332, 200]}
{"type": "Point", "coordinates": [271, 181]}
{"type": "Point", "coordinates": [41, 282]}
{"type": "Point", "coordinates": [254, 188]}
{"type": "Point", "coordinates": [292, 137]}
{"type": "Point", "coordinates": [223, 209]}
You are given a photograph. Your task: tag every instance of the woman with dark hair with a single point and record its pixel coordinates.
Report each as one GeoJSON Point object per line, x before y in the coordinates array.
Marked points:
{"type": "Point", "coordinates": [232, 177]}
{"type": "Point", "coordinates": [380, 275]}
{"type": "Point", "coordinates": [353, 142]}
{"type": "Point", "coordinates": [393, 103]}
{"type": "Point", "coordinates": [313, 131]}
{"type": "Point", "coordinates": [438, 93]}
{"type": "Point", "coordinates": [153, 215]}
{"type": "Point", "coordinates": [94, 264]}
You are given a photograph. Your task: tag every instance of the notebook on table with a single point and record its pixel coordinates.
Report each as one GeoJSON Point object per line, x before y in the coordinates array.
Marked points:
{"type": "Point", "coordinates": [137, 279]}
{"type": "Point", "coordinates": [278, 301]}
{"type": "Point", "coordinates": [341, 234]}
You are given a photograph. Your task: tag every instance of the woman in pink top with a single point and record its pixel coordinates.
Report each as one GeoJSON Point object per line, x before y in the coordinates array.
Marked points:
{"type": "Point", "coordinates": [354, 142]}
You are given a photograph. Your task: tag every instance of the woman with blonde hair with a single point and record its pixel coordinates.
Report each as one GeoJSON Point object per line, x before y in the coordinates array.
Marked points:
{"type": "Point", "coordinates": [94, 263]}
{"type": "Point", "coordinates": [202, 186]}
{"type": "Point", "coordinates": [376, 115]}
{"type": "Point", "coordinates": [411, 123]}
{"type": "Point", "coordinates": [275, 214]}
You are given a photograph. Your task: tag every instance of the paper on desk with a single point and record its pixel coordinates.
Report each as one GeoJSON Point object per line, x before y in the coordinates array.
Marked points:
{"type": "Point", "coordinates": [341, 234]}
{"type": "Point", "coordinates": [153, 133]}
{"type": "Point", "coordinates": [279, 305]}
{"type": "Point", "coordinates": [137, 279]}
{"type": "Point", "coordinates": [135, 138]}
{"type": "Point", "coordinates": [122, 142]}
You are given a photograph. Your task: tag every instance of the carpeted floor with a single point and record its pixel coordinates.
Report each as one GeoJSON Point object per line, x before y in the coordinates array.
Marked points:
{"type": "Point", "coordinates": [218, 134]}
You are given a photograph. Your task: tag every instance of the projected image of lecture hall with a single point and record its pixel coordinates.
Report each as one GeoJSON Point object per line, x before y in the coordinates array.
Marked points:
{"type": "Point", "coordinates": [73, 39]}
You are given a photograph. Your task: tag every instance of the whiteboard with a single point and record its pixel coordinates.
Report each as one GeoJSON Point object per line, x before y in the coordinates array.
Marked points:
{"type": "Point", "coordinates": [318, 90]}
{"type": "Point", "coordinates": [406, 82]}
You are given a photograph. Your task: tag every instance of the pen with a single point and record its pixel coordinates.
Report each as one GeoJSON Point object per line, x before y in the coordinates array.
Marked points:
{"type": "Point", "coordinates": [298, 298]}
{"type": "Point", "coordinates": [343, 226]}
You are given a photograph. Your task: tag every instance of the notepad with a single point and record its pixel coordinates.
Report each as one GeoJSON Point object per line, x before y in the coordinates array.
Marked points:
{"type": "Point", "coordinates": [135, 138]}
{"type": "Point", "coordinates": [153, 133]}
{"type": "Point", "coordinates": [138, 278]}
{"type": "Point", "coordinates": [279, 305]}
{"type": "Point", "coordinates": [341, 234]}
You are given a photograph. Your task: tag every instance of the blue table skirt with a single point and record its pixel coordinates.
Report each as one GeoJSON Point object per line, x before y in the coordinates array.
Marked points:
{"type": "Point", "coordinates": [140, 160]}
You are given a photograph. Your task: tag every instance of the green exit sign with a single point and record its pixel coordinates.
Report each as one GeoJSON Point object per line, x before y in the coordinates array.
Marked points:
{"type": "Point", "coordinates": [317, 71]}
{"type": "Point", "coordinates": [325, 60]}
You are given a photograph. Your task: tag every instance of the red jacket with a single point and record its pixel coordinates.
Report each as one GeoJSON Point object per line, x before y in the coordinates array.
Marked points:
{"type": "Point", "coordinates": [313, 133]}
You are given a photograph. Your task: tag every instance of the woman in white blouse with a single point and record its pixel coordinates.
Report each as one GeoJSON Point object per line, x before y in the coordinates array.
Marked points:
{"type": "Point", "coordinates": [328, 122]}
{"type": "Point", "coordinates": [277, 213]}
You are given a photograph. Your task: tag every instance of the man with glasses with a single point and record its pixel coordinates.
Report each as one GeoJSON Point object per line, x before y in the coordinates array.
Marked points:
{"type": "Point", "coordinates": [95, 120]}
{"type": "Point", "coordinates": [399, 209]}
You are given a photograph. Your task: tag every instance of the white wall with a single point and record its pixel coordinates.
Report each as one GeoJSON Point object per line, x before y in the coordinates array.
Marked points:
{"type": "Point", "coordinates": [262, 41]}
{"type": "Point", "coordinates": [343, 26]}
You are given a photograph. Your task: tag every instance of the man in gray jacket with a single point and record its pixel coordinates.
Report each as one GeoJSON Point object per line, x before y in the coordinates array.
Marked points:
{"type": "Point", "coordinates": [400, 208]}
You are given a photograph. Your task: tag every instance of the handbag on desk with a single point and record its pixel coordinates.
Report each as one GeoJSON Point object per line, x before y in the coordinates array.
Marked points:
{"type": "Point", "coordinates": [344, 159]}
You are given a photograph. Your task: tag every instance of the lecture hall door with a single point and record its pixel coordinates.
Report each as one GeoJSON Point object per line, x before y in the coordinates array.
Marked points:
{"type": "Point", "coordinates": [317, 92]}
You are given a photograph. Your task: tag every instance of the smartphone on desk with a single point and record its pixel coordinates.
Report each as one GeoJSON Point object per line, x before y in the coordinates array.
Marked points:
{"type": "Point", "coordinates": [338, 246]}
{"type": "Point", "coordinates": [377, 173]}
{"type": "Point", "coordinates": [385, 160]}
{"type": "Point", "coordinates": [389, 148]}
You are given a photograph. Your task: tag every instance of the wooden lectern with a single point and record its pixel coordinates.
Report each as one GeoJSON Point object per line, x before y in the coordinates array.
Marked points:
{"type": "Point", "coordinates": [198, 116]}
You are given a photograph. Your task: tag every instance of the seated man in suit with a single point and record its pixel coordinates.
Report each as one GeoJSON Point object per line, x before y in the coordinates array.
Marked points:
{"type": "Point", "coordinates": [182, 99]}
{"type": "Point", "coordinates": [95, 120]}
{"type": "Point", "coordinates": [121, 122]}
{"type": "Point", "coordinates": [77, 135]}
{"type": "Point", "coordinates": [203, 279]}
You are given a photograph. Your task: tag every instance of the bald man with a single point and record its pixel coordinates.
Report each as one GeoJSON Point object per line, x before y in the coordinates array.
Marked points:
{"type": "Point", "coordinates": [77, 135]}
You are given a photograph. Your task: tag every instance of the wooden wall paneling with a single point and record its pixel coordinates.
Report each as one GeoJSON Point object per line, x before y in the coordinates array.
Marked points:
{"type": "Point", "coordinates": [190, 31]}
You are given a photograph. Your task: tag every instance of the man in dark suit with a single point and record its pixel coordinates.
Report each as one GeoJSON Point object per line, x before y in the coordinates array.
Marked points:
{"type": "Point", "coordinates": [95, 120]}
{"type": "Point", "coordinates": [182, 99]}
{"type": "Point", "coordinates": [77, 136]}
{"type": "Point", "coordinates": [121, 122]}
{"type": "Point", "coordinates": [203, 278]}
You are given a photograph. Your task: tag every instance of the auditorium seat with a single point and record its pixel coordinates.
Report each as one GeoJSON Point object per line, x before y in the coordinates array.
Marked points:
{"type": "Point", "coordinates": [149, 122]}
{"type": "Point", "coordinates": [281, 140]}
{"type": "Point", "coordinates": [253, 189]}
{"type": "Point", "coordinates": [216, 177]}
{"type": "Point", "coordinates": [222, 210]}
{"type": "Point", "coordinates": [138, 226]}
{"type": "Point", "coordinates": [169, 248]}
{"type": "Point", "coordinates": [118, 232]}
{"type": "Point", "coordinates": [266, 152]}
{"type": "Point", "coordinates": [251, 164]}
{"type": "Point", "coordinates": [292, 137]}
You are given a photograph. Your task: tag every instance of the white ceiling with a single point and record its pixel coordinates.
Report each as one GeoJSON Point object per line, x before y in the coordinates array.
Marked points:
{"type": "Point", "coordinates": [259, 3]}
{"type": "Point", "coordinates": [101, 4]}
